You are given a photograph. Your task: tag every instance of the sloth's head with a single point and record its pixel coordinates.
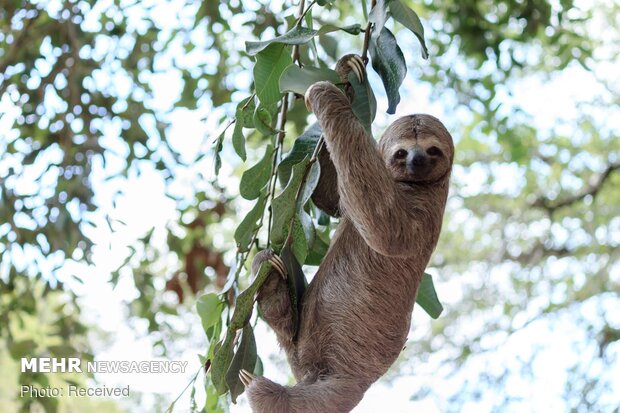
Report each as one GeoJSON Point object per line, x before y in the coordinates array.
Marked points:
{"type": "Point", "coordinates": [417, 149]}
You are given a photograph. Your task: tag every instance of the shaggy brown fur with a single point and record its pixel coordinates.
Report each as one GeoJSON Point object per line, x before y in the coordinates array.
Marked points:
{"type": "Point", "coordinates": [356, 311]}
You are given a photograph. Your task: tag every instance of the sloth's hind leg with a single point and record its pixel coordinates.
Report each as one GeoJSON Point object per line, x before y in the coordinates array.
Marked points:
{"type": "Point", "coordinates": [273, 299]}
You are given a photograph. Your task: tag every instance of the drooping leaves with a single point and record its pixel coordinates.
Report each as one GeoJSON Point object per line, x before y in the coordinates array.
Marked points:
{"type": "Point", "coordinates": [427, 297]}
{"type": "Point", "coordinates": [243, 311]}
{"type": "Point", "coordinates": [298, 35]}
{"type": "Point", "coordinates": [304, 146]}
{"type": "Point", "coordinates": [354, 29]}
{"type": "Point", "coordinates": [238, 140]}
{"type": "Point", "coordinates": [303, 234]}
{"type": "Point", "coordinates": [221, 361]}
{"type": "Point", "coordinates": [245, 358]}
{"type": "Point", "coordinates": [389, 62]}
{"type": "Point", "coordinates": [296, 282]}
{"type": "Point", "coordinates": [270, 63]}
{"type": "Point", "coordinates": [217, 157]}
{"type": "Point", "coordinates": [245, 230]}
{"type": "Point", "coordinates": [287, 204]}
{"type": "Point", "coordinates": [409, 18]}
{"type": "Point", "coordinates": [209, 308]}
{"type": "Point", "coordinates": [254, 179]}
{"type": "Point", "coordinates": [364, 104]}
{"type": "Point", "coordinates": [243, 119]}
{"type": "Point", "coordinates": [318, 250]}
{"type": "Point", "coordinates": [298, 80]}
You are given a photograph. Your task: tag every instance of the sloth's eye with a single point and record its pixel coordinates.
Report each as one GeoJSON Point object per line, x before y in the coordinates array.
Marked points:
{"type": "Point", "coordinates": [433, 151]}
{"type": "Point", "coordinates": [400, 154]}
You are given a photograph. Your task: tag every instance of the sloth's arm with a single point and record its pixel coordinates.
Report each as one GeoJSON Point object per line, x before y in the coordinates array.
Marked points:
{"type": "Point", "coordinates": [368, 194]}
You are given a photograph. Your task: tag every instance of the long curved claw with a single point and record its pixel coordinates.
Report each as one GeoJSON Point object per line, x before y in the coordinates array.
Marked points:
{"type": "Point", "coordinates": [278, 264]}
{"type": "Point", "coordinates": [246, 377]}
{"type": "Point", "coordinates": [357, 66]}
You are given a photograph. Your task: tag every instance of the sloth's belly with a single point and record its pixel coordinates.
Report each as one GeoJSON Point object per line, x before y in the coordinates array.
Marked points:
{"type": "Point", "coordinates": [358, 309]}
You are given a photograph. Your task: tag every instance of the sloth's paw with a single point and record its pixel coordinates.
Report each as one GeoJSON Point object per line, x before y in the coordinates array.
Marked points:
{"type": "Point", "coordinates": [277, 263]}
{"type": "Point", "coordinates": [246, 377]}
{"type": "Point", "coordinates": [269, 256]}
{"type": "Point", "coordinates": [351, 63]}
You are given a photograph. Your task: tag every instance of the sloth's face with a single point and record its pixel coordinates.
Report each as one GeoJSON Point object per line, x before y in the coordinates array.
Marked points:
{"type": "Point", "coordinates": [417, 149]}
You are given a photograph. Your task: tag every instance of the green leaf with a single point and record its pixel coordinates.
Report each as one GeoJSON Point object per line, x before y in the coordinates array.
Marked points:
{"type": "Point", "coordinates": [263, 120]}
{"type": "Point", "coordinates": [312, 179]}
{"type": "Point", "coordinates": [298, 80]}
{"type": "Point", "coordinates": [221, 362]}
{"type": "Point", "coordinates": [258, 367]}
{"type": "Point", "coordinates": [219, 145]}
{"type": "Point", "coordinates": [212, 397]}
{"type": "Point", "coordinates": [304, 146]}
{"type": "Point", "coordinates": [254, 179]}
{"type": "Point", "coordinates": [410, 20]}
{"type": "Point", "coordinates": [303, 229]}
{"type": "Point", "coordinates": [238, 140]}
{"type": "Point", "coordinates": [245, 301]}
{"type": "Point", "coordinates": [284, 206]}
{"type": "Point", "coordinates": [303, 235]}
{"type": "Point", "coordinates": [389, 62]}
{"type": "Point", "coordinates": [244, 118]}
{"type": "Point", "coordinates": [318, 251]}
{"type": "Point", "coordinates": [427, 297]}
{"type": "Point", "coordinates": [270, 63]}
{"type": "Point", "coordinates": [245, 358]}
{"type": "Point", "coordinates": [209, 308]}
{"type": "Point", "coordinates": [330, 45]}
{"type": "Point", "coordinates": [364, 104]}
{"type": "Point", "coordinates": [213, 334]}
{"type": "Point", "coordinates": [354, 29]}
{"type": "Point", "coordinates": [296, 283]}
{"type": "Point", "coordinates": [297, 35]}
{"type": "Point", "coordinates": [245, 230]}
{"type": "Point", "coordinates": [246, 112]}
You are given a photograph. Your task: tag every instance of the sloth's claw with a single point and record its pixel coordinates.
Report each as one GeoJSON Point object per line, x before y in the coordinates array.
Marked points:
{"type": "Point", "coordinates": [279, 266]}
{"type": "Point", "coordinates": [357, 65]}
{"type": "Point", "coordinates": [246, 377]}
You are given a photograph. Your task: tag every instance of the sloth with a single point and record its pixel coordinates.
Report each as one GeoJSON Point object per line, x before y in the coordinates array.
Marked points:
{"type": "Point", "coordinates": [355, 314]}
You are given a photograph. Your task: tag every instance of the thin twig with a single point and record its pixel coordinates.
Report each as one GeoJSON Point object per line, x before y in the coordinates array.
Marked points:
{"type": "Point", "coordinates": [367, 36]}
{"type": "Point", "coordinates": [303, 14]}
{"type": "Point", "coordinates": [277, 157]}
{"type": "Point", "coordinates": [192, 381]}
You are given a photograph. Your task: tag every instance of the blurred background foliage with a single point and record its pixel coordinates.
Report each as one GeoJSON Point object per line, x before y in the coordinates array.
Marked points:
{"type": "Point", "coordinates": [527, 265]}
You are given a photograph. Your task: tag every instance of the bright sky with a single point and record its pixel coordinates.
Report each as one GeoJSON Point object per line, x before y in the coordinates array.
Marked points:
{"type": "Point", "coordinates": [143, 205]}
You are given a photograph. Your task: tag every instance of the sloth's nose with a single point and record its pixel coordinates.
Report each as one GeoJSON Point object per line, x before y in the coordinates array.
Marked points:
{"type": "Point", "coordinates": [417, 159]}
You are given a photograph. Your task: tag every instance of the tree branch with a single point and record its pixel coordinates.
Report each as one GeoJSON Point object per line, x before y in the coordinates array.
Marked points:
{"type": "Point", "coordinates": [592, 189]}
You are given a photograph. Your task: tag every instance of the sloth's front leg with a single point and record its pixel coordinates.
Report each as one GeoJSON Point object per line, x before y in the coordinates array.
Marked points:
{"type": "Point", "coordinates": [273, 298]}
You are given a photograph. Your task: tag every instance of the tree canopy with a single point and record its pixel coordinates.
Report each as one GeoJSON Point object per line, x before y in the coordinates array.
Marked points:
{"type": "Point", "coordinates": [92, 94]}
